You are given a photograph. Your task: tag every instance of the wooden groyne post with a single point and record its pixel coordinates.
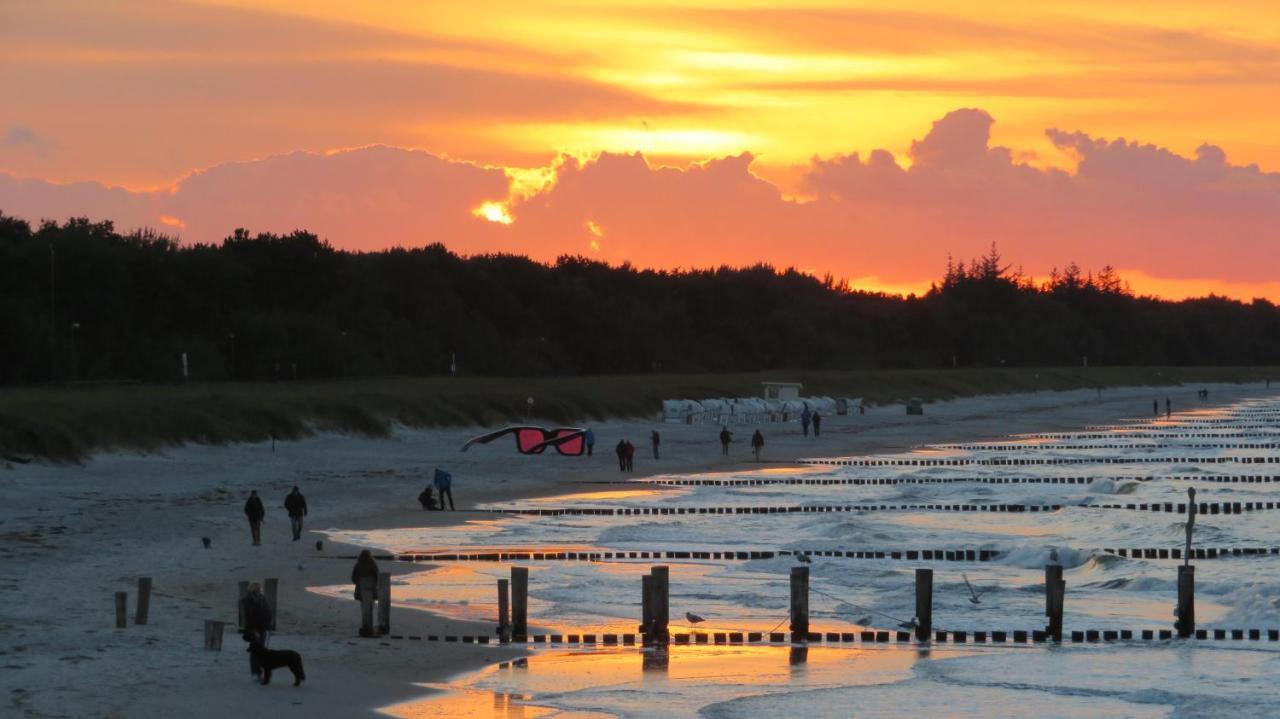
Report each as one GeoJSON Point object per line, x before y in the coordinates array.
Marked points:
{"type": "Point", "coordinates": [1186, 624]}
{"type": "Point", "coordinates": [213, 635]}
{"type": "Point", "coordinates": [122, 610]}
{"type": "Point", "coordinates": [144, 601]}
{"type": "Point", "coordinates": [1055, 593]}
{"type": "Point", "coordinates": [659, 605]}
{"type": "Point", "coordinates": [646, 605]}
{"type": "Point", "coordinates": [924, 604]}
{"type": "Point", "coordinates": [271, 586]}
{"type": "Point", "coordinates": [367, 590]}
{"type": "Point", "coordinates": [799, 604]}
{"type": "Point", "coordinates": [384, 602]}
{"type": "Point", "coordinates": [504, 611]}
{"type": "Point", "coordinates": [519, 603]}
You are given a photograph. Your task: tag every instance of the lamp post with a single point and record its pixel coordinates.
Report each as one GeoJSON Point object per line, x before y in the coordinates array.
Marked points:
{"type": "Point", "coordinates": [231, 343]}
{"type": "Point", "coordinates": [75, 327]}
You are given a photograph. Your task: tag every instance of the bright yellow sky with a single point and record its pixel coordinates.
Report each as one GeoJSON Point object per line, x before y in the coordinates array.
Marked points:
{"type": "Point", "coordinates": [838, 77]}
{"type": "Point", "coordinates": [688, 79]}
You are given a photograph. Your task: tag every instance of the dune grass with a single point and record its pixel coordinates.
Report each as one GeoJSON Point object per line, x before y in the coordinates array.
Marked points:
{"type": "Point", "coordinates": [66, 424]}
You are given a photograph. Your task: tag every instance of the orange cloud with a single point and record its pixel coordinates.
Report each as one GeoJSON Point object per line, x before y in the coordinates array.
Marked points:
{"type": "Point", "coordinates": [889, 223]}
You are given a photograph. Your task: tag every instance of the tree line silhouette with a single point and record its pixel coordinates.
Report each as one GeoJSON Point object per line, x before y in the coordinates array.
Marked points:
{"type": "Point", "coordinates": [80, 301]}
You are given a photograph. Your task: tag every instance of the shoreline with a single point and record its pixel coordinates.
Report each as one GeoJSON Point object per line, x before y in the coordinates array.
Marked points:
{"type": "Point", "coordinates": [124, 515]}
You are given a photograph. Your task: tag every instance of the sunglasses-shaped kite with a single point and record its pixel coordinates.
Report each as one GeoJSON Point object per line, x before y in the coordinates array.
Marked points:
{"type": "Point", "coordinates": [568, 441]}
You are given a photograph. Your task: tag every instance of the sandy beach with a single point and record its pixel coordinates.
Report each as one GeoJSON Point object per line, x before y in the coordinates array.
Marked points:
{"type": "Point", "coordinates": [75, 535]}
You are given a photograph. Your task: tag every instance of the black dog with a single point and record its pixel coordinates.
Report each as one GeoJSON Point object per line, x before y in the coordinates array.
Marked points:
{"type": "Point", "coordinates": [271, 659]}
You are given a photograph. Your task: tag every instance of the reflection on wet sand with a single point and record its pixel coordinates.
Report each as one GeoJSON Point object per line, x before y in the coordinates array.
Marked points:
{"type": "Point", "coordinates": [713, 673]}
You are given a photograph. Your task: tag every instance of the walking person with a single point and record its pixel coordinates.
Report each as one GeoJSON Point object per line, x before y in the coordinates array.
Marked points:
{"type": "Point", "coordinates": [621, 451]}
{"type": "Point", "coordinates": [590, 438]}
{"type": "Point", "coordinates": [1155, 407]}
{"type": "Point", "coordinates": [805, 418]}
{"type": "Point", "coordinates": [254, 510]}
{"type": "Point", "coordinates": [1168, 408]}
{"type": "Point", "coordinates": [629, 456]}
{"type": "Point", "coordinates": [655, 440]}
{"type": "Point", "coordinates": [444, 487]}
{"type": "Point", "coordinates": [725, 438]}
{"type": "Point", "coordinates": [296, 505]}
{"type": "Point", "coordinates": [757, 444]}
{"type": "Point", "coordinates": [365, 569]}
{"type": "Point", "coordinates": [256, 611]}
{"type": "Point", "coordinates": [817, 424]}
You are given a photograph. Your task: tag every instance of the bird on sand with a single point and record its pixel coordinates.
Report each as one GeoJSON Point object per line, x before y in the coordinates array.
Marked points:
{"type": "Point", "coordinates": [693, 618]}
{"type": "Point", "coordinates": [973, 595]}
{"type": "Point", "coordinates": [803, 559]}
{"type": "Point", "coordinates": [909, 625]}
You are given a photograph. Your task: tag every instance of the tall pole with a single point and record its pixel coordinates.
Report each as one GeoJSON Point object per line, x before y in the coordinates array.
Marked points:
{"type": "Point", "coordinates": [53, 314]}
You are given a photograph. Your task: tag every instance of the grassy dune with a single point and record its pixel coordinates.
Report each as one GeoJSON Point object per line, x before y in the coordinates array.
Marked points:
{"type": "Point", "coordinates": [68, 423]}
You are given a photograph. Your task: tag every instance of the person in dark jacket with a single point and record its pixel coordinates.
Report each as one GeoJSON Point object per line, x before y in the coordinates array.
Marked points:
{"type": "Point", "coordinates": [725, 438]}
{"type": "Point", "coordinates": [629, 456]}
{"type": "Point", "coordinates": [256, 611]}
{"type": "Point", "coordinates": [590, 437]}
{"type": "Point", "coordinates": [365, 569]}
{"type": "Point", "coordinates": [296, 505]}
{"type": "Point", "coordinates": [817, 424]}
{"type": "Point", "coordinates": [805, 417]}
{"type": "Point", "coordinates": [444, 486]}
{"type": "Point", "coordinates": [656, 440]}
{"type": "Point", "coordinates": [757, 444]}
{"type": "Point", "coordinates": [254, 510]}
{"type": "Point", "coordinates": [621, 451]}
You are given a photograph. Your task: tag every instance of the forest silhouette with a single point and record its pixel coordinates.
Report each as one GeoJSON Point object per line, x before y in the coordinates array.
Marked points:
{"type": "Point", "coordinates": [80, 301]}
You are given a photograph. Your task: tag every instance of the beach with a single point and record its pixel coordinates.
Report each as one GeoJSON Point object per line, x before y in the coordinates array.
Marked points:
{"type": "Point", "coordinates": [76, 534]}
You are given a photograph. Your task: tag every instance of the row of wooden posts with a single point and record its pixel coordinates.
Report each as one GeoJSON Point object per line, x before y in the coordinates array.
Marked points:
{"type": "Point", "coordinates": [656, 604]}
{"type": "Point", "coordinates": [513, 605]}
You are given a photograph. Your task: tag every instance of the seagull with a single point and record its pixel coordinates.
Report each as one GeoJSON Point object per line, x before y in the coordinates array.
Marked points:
{"type": "Point", "coordinates": [973, 596]}
{"type": "Point", "coordinates": [863, 622]}
{"type": "Point", "coordinates": [803, 559]}
{"type": "Point", "coordinates": [909, 625]}
{"type": "Point", "coordinates": [693, 618]}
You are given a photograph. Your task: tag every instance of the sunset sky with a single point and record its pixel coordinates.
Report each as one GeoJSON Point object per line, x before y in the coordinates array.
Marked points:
{"type": "Point", "coordinates": [865, 140]}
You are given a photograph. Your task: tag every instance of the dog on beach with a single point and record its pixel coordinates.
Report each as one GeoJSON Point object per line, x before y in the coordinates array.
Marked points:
{"type": "Point", "coordinates": [271, 659]}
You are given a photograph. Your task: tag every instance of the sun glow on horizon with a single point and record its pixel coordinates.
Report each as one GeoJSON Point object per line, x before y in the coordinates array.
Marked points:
{"type": "Point", "coordinates": [494, 212]}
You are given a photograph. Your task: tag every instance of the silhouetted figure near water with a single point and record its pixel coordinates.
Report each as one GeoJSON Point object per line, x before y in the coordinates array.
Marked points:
{"type": "Point", "coordinates": [628, 456]}
{"type": "Point", "coordinates": [365, 569]}
{"type": "Point", "coordinates": [621, 451]}
{"type": "Point", "coordinates": [590, 438]}
{"type": "Point", "coordinates": [805, 418]}
{"type": "Point", "coordinates": [757, 444]}
{"type": "Point", "coordinates": [656, 440]}
{"type": "Point", "coordinates": [254, 510]}
{"type": "Point", "coordinates": [296, 505]}
{"type": "Point", "coordinates": [817, 424]}
{"type": "Point", "coordinates": [1155, 407]}
{"type": "Point", "coordinates": [725, 438]}
{"type": "Point", "coordinates": [444, 487]}
{"type": "Point", "coordinates": [1168, 408]}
